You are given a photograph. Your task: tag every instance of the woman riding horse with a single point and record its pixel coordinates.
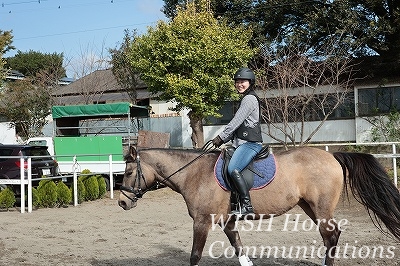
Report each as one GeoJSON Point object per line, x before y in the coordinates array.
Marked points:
{"type": "Point", "coordinates": [245, 130]}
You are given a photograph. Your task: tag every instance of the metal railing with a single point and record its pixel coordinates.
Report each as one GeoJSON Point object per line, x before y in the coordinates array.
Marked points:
{"type": "Point", "coordinates": [393, 155]}
{"type": "Point", "coordinates": [26, 179]}
{"type": "Point", "coordinates": [76, 171]}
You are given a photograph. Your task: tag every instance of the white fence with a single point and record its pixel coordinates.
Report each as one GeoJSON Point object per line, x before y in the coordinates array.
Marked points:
{"type": "Point", "coordinates": [26, 179]}
{"type": "Point", "coordinates": [76, 171]}
{"type": "Point", "coordinates": [393, 155]}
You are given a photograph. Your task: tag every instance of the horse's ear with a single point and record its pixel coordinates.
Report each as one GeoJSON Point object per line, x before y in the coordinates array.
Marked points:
{"type": "Point", "coordinates": [132, 151]}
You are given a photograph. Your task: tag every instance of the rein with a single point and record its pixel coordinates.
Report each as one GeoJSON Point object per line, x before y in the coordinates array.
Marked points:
{"type": "Point", "coordinates": [139, 175]}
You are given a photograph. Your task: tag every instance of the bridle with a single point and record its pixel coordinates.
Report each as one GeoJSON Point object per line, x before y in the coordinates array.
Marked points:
{"type": "Point", "coordinates": [139, 177]}
{"type": "Point", "coordinates": [139, 192]}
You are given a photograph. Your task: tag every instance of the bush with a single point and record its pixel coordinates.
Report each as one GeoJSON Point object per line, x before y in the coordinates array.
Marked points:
{"type": "Point", "coordinates": [47, 193]}
{"type": "Point", "coordinates": [81, 189]}
{"type": "Point", "coordinates": [85, 172]}
{"type": "Point", "coordinates": [35, 198]}
{"type": "Point", "coordinates": [102, 186]}
{"type": "Point", "coordinates": [64, 194]}
{"type": "Point", "coordinates": [7, 198]}
{"type": "Point", "coordinates": [92, 188]}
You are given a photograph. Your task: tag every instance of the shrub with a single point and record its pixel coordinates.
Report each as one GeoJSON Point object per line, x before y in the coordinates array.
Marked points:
{"type": "Point", "coordinates": [47, 193]}
{"type": "Point", "coordinates": [102, 186]}
{"type": "Point", "coordinates": [7, 198]}
{"type": "Point", "coordinates": [81, 189]}
{"type": "Point", "coordinates": [64, 194]}
{"type": "Point", "coordinates": [85, 172]}
{"type": "Point", "coordinates": [35, 198]}
{"type": "Point", "coordinates": [92, 188]}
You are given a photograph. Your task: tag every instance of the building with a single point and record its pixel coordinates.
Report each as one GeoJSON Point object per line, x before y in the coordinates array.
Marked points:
{"type": "Point", "coordinates": [348, 124]}
{"type": "Point", "coordinates": [101, 87]}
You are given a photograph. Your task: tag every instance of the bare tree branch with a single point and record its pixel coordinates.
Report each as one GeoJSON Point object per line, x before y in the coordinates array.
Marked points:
{"type": "Point", "coordinates": [301, 85]}
{"type": "Point", "coordinates": [90, 60]}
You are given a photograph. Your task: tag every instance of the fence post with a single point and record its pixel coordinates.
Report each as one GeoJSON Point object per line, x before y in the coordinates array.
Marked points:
{"type": "Point", "coordinates": [75, 181]}
{"type": "Point", "coordinates": [111, 177]}
{"type": "Point", "coordinates": [394, 164]}
{"type": "Point", "coordinates": [22, 176]}
{"type": "Point", "coordinates": [29, 185]}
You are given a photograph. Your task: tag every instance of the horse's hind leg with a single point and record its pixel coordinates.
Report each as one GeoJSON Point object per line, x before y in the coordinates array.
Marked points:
{"type": "Point", "coordinates": [328, 229]}
{"type": "Point", "coordinates": [330, 234]}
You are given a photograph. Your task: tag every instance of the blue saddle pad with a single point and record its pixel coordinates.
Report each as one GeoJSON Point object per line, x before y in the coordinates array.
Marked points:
{"type": "Point", "coordinates": [264, 172]}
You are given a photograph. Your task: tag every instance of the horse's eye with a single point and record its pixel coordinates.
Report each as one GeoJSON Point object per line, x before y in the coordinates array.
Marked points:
{"type": "Point", "coordinates": [129, 173]}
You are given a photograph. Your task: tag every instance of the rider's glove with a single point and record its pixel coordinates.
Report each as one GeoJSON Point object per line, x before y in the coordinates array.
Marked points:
{"type": "Point", "coordinates": [217, 141]}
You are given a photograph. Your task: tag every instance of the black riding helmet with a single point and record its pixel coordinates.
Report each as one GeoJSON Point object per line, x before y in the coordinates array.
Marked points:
{"type": "Point", "coordinates": [245, 73]}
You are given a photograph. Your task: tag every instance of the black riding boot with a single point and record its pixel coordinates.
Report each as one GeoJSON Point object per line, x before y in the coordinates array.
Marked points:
{"type": "Point", "coordinates": [241, 187]}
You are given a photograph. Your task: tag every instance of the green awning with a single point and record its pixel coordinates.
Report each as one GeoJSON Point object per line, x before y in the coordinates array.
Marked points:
{"type": "Point", "coordinates": [99, 110]}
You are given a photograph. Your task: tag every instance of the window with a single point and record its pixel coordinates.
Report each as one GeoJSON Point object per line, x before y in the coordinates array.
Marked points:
{"type": "Point", "coordinates": [309, 108]}
{"type": "Point", "coordinates": [297, 109]}
{"type": "Point", "coordinates": [345, 109]}
{"type": "Point", "coordinates": [35, 152]}
{"type": "Point", "coordinates": [373, 101]}
{"type": "Point", "coordinates": [227, 112]}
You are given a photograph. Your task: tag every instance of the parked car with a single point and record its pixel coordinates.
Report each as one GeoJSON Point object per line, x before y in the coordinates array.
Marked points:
{"type": "Point", "coordinates": [42, 163]}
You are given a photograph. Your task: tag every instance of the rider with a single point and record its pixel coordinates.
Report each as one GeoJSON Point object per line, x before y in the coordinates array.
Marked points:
{"type": "Point", "coordinates": [245, 132]}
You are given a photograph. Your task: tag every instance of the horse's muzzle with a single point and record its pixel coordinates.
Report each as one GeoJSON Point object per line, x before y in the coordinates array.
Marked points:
{"type": "Point", "coordinates": [127, 204]}
{"type": "Point", "coordinates": [126, 201]}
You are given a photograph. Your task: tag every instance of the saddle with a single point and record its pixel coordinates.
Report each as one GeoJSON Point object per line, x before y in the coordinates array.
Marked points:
{"type": "Point", "coordinates": [248, 173]}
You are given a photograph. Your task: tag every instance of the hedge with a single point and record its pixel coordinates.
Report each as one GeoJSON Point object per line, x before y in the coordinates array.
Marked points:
{"type": "Point", "coordinates": [51, 194]}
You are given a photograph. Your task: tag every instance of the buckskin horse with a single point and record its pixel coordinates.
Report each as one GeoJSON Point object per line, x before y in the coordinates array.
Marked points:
{"type": "Point", "coordinates": [309, 177]}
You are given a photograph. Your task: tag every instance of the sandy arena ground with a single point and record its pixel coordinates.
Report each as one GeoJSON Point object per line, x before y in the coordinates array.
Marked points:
{"type": "Point", "coordinates": [159, 232]}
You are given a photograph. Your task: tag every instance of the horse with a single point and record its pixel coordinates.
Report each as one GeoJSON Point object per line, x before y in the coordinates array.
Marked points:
{"type": "Point", "coordinates": [309, 177]}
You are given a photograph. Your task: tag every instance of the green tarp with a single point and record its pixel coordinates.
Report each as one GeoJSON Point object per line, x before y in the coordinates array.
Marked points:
{"type": "Point", "coordinates": [99, 110]}
{"type": "Point", "coordinates": [96, 148]}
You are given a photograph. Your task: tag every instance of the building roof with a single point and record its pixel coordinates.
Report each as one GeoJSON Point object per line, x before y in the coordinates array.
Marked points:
{"type": "Point", "coordinates": [99, 80]}
{"type": "Point", "coordinates": [100, 86]}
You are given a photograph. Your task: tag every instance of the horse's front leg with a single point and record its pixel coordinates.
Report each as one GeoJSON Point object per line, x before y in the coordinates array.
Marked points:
{"type": "Point", "coordinates": [232, 233]}
{"type": "Point", "coordinates": [200, 233]}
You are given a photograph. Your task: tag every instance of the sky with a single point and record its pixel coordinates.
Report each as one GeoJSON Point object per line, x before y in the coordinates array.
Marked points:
{"type": "Point", "coordinates": [75, 27]}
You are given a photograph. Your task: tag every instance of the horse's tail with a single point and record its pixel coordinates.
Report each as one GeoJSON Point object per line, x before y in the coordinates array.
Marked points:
{"type": "Point", "coordinates": [371, 186]}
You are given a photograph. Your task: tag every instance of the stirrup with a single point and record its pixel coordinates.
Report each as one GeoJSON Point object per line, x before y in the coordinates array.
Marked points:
{"type": "Point", "coordinates": [243, 211]}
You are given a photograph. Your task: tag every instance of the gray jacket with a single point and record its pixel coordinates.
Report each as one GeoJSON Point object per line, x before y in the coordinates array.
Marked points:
{"type": "Point", "coordinates": [248, 113]}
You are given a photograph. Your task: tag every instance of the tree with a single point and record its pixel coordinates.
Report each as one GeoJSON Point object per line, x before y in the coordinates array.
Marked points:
{"type": "Point", "coordinates": [127, 77]}
{"type": "Point", "coordinates": [367, 27]}
{"type": "Point", "coordinates": [42, 68]}
{"type": "Point", "coordinates": [299, 88]}
{"type": "Point", "coordinates": [90, 64]}
{"type": "Point", "coordinates": [27, 103]}
{"type": "Point", "coordinates": [385, 127]}
{"type": "Point", "coordinates": [90, 59]}
{"type": "Point", "coordinates": [30, 106]}
{"type": "Point", "coordinates": [371, 27]}
{"type": "Point", "coordinates": [5, 45]}
{"type": "Point", "coordinates": [190, 61]}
